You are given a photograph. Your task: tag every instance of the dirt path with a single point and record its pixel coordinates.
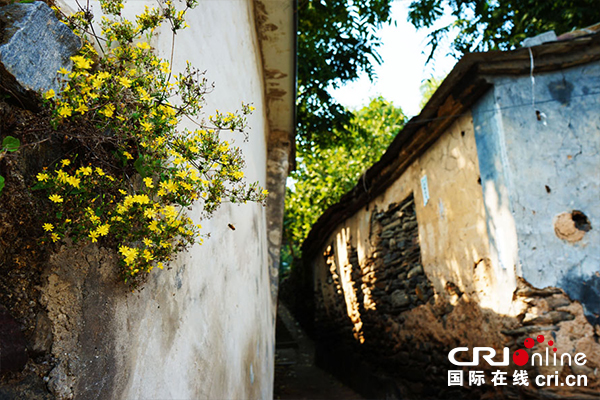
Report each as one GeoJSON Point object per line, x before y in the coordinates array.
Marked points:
{"type": "Point", "coordinates": [296, 376]}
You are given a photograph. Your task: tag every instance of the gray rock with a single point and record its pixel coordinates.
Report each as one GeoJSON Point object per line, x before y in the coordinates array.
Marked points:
{"type": "Point", "coordinates": [34, 45]}
{"type": "Point", "coordinates": [42, 337]}
{"type": "Point", "coordinates": [415, 271]}
{"type": "Point", "coordinates": [400, 299]}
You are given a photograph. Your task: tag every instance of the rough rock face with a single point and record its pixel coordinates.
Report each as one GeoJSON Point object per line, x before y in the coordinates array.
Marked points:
{"type": "Point", "coordinates": [34, 45]}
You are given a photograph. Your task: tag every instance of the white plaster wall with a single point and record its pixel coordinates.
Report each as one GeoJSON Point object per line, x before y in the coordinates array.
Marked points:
{"type": "Point", "coordinates": [203, 328]}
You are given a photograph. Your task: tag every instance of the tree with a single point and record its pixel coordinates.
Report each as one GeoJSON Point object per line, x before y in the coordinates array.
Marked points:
{"type": "Point", "coordinates": [336, 41]}
{"type": "Point", "coordinates": [500, 24]}
{"type": "Point", "coordinates": [428, 88]}
{"type": "Point", "coordinates": [325, 174]}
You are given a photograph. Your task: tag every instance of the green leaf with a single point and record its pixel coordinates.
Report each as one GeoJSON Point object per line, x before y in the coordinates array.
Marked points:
{"type": "Point", "coordinates": [39, 186]}
{"type": "Point", "coordinates": [140, 167]}
{"type": "Point", "coordinates": [1, 183]}
{"type": "Point", "coordinates": [11, 144]}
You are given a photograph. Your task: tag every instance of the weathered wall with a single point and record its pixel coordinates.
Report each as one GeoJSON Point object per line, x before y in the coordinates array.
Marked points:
{"type": "Point", "coordinates": [387, 326]}
{"type": "Point", "coordinates": [203, 328]}
{"type": "Point", "coordinates": [539, 151]}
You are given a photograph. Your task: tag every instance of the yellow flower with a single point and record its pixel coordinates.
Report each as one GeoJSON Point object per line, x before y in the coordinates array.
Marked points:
{"type": "Point", "coordinates": [128, 155]}
{"type": "Point", "coordinates": [65, 162]}
{"type": "Point", "coordinates": [85, 171]}
{"type": "Point", "coordinates": [108, 111]}
{"type": "Point", "coordinates": [147, 242]}
{"type": "Point", "coordinates": [49, 94]}
{"type": "Point", "coordinates": [62, 176]}
{"type": "Point", "coordinates": [99, 171]}
{"type": "Point", "coordinates": [148, 255]}
{"type": "Point", "coordinates": [81, 62]}
{"type": "Point", "coordinates": [94, 236]}
{"type": "Point", "coordinates": [43, 177]}
{"type": "Point", "coordinates": [149, 213]}
{"type": "Point", "coordinates": [103, 229]}
{"type": "Point", "coordinates": [160, 265]}
{"type": "Point", "coordinates": [129, 253]}
{"type": "Point", "coordinates": [146, 125]}
{"type": "Point", "coordinates": [65, 111]}
{"type": "Point", "coordinates": [144, 95]}
{"type": "Point", "coordinates": [54, 237]}
{"type": "Point", "coordinates": [141, 199]}
{"type": "Point", "coordinates": [48, 227]}
{"type": "Point", "coordinates": [143, 45]}
{"type": "Point", "coordinates": [82, 108]}
{"type": "Point", "coordinates": [125, 81]}
{"type": "Point", "coordinates": [148, 182]}
{"type": "Point", "coordinates": [73, 181]}
{"type": "Point", "coordinates": [56, 198]}
{"type": "Point", "coordinates": [164, 67]}
{"type": "Point", "coordinates": [63, 71]}
{"type": "Point", "coordinates": [153, 226]}
{"type": "Point", "coordinates": [265, 192]}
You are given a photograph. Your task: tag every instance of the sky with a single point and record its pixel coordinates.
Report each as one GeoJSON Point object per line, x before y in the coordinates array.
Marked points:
{"type": "Point", "coordinates": [403, 70]}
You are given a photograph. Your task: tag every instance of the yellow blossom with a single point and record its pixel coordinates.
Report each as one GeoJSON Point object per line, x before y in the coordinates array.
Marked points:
{"type": "Point", "coordinates": [56, 198]}
{"type": "Point", "coordinates": [85, 170]}
{"type": "Point", "coordinates": [73, 181]}
{"type": "Point", "coordinates": [99, 171]}
{"type": "Point", "coordinates": [126, 82]}
{"type": "Point", "coordinates": [153, 226]}
{"type": "Point", "coordinates": [82, 108]}
{"type": "Point", "coordinates": [43, 177]}
{"type": "Point", "coordinates": [65, 111]}
{"type": "Point", "coordinates": [49, 94]}
{"type": "Point", "coordinates": [147, 242]}
{"type": "Point", "coordinates": [149, 213]}
{"type": "Point", "coordinates": [108, 111]}
{"type": "Point", "coordinates": [54, 237]}
{"type": "Point", "coordinates": [148, 255]}
{"type": "Point", "coordinates": [94, 236]}
{"type": "Point", "coordinates": [164, 67]}
{"type": "Point", "coordinates": [48, 227]}
{"type": "Point", "coordinates": [81, 62]}
{"type": "Point", "coordinates": [63, 71]}
{"type": "Point", "coordinates": [146, 125]}
{"type": "Point", "coordinates": [143, 45]}
{"type": "Point", "coordinates": [128, 155]}
{"type": "Point", "coordinates": [148, 182]}
{"type": "Point", "coordinates": [103, 229]}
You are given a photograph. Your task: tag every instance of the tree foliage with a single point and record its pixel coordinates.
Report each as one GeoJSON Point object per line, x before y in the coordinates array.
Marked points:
{"type": "Point", "coordinates": [336, 41]}
{"type": "Point", "coordinates": [500, 24]}
{"type": "Point", "coordinates": [324, 175]}
{"type": "Point", "coordinates": [428, 88]}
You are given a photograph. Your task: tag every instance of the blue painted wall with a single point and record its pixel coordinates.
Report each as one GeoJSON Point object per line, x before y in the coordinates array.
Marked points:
{"type": "Point", "coordinates": [538, 145]}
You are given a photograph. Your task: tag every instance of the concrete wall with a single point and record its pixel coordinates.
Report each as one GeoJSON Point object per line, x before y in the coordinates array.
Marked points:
{"type": "Point", "coordinates": [538, 146]}
{"type": "Point", "coordinates": [203, 328]}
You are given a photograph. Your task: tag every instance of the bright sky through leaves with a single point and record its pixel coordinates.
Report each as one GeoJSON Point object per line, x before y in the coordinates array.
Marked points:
{"type": "Point", "coordinates": [404, 52]}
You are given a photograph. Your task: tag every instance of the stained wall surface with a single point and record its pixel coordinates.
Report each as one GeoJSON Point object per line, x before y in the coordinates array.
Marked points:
{"type": "Point", "coordinates": [539, 151]}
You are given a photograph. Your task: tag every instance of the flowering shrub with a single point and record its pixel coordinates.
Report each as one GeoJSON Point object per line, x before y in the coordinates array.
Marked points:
{"type": "Point", "coordinates": [136, 199]}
